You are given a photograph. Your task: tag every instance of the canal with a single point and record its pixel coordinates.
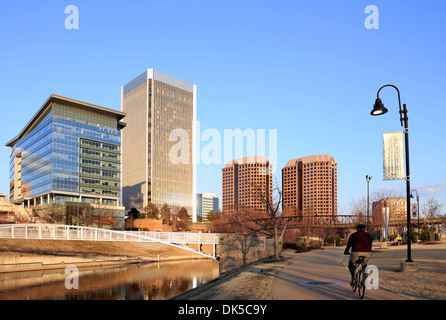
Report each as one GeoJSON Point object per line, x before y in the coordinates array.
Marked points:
{"type": "Point", "coordinates": [153, 281]}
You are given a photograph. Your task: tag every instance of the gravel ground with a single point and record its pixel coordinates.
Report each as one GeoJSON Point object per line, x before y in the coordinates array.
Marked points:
{"type": "Point", "coordinates": [254, 281]}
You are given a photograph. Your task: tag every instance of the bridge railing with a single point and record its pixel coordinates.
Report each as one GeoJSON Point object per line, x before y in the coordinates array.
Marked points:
{"type": "Point", "coordinates": [65, 232]}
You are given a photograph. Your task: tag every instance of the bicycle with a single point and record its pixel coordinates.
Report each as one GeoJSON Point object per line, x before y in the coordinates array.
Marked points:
{"type": "Point", "coordinates": [359, 277]}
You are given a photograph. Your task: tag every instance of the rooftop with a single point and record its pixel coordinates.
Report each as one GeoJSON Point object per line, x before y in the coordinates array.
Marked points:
{"type": "Point", "coordinates": [310, 159]}
{"type": "Point", "coordinates": [250, 160]}
{"type": "Point", "coordinates": [54, 98]}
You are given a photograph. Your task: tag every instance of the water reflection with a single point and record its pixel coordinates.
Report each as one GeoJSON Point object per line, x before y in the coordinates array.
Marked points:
{"type": "Point", "coordinates": [155, 281]}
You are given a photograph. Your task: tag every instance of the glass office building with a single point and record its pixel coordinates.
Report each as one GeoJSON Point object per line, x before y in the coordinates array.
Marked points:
{"type": "Point", "coordinates": [70, 151]}
{"type": "Point", "coordinates": [159, 142]}
{"type": "Point", "coordinates": [206, 202]}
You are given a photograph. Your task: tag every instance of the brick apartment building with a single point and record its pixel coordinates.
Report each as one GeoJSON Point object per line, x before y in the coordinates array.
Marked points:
{"type": "Point", "coordinates": [247, 182]}
{"type": "Point", "coordinates": [310, 186]}
{"type": "Point", "coordinates": [397, 209]}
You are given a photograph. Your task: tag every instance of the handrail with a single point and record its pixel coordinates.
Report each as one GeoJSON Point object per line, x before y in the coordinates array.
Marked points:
{"type": "Point", "coordinates": [80, 233]}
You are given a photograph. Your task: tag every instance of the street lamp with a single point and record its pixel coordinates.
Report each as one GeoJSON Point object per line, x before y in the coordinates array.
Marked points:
{"type": "Point", "coordinates": [379, 109]}
{"type": "Point", "coordinates": [418, 209]}
{"type": "Point", "coordinates": [368, 178]}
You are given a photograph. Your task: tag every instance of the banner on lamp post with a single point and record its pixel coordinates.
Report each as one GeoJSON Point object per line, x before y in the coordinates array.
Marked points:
{"type": "Point", "coordinates": [393, 156]}
{"type": "Point", "coordinates": [414, 210]}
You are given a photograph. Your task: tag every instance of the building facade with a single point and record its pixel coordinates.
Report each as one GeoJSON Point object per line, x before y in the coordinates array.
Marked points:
{"type": "Point", "coordinates": [247, 182]}
{"type": "Point", "coordinates": [159, 142]}
{"type": "Point", "coordinates": [397, 209]}
{"type": "Point", "coordinates": [206, 202]}
{"type": "Point", "coordinates": [70, 151]}
{"type": "Point", "coordinates": [310, 186]}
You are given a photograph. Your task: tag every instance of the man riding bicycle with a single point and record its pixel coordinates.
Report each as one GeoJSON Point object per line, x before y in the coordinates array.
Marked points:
{"type": "Point", "coordinates": [361, 244]}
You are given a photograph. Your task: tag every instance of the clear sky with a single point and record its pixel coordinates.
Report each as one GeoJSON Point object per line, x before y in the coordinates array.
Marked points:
{"type": "Point", "coordinates": [308, 69]}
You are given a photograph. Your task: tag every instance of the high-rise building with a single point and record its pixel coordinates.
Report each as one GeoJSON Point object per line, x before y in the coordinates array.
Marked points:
{"type": "Point", "coordinates": [206, 202]}
{"type": "Point", "coordinates": [247, 182]}
{"type": "Point", "coordinates": [159, 142]}
{"type": "Point", "coordinates": [69, 152]}
{"type": "Point", "coordinates": [310, 186]}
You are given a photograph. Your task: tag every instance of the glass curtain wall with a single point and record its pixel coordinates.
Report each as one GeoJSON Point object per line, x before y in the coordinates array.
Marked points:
{"type": "Point", "coordinates": [171, 183]}
{"type": "Point", "coordinates": [70, 150]}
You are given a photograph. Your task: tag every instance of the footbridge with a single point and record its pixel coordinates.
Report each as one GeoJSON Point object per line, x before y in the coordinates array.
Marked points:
{"type": "Point", "coordinates": [78, 233]}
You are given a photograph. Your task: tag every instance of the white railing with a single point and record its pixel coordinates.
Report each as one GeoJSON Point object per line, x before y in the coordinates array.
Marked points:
{"type": "Point", "coordinates": [65, 232]}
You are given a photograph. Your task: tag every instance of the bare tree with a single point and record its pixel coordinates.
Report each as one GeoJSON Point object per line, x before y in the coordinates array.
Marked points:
{"type": "Point", "coordinates": [433, 208]}
{"type": "Point", "coordinates": [359, 209]}
{"type": "Point", "coordinates": [235, 222]}
{"type": "Point", "coordinates": [51, 213]}
{"type": "Point", "coordinates": [270, 222]}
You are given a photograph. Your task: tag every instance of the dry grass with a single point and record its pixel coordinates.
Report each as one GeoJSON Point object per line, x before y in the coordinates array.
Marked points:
{"type": "Point", "coordinates": [253, 282]}
{"type": "Point", "coordinates": [428, 282]}
{"type": "Point", "coordinates": [83, 249]}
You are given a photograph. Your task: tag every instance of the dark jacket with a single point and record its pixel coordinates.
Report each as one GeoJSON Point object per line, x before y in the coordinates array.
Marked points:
{"type": "Point", "coordinates": [359, 241]}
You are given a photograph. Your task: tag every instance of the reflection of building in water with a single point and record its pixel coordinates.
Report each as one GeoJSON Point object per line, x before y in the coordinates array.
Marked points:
{"type": "Point", "coordinates": [154, 281]}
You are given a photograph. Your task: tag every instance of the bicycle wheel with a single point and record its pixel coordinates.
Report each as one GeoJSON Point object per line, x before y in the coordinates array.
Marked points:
{"type": "Point", "coordinates": [361, 284]}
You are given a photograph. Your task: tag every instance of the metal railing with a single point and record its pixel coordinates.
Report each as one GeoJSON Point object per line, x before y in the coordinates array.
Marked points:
{"type": "Point", "coordinates": [65, 232]}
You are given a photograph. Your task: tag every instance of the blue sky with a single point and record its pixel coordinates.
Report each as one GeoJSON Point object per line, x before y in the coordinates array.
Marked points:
{"type": "Point", "coordinates": [309, 69]}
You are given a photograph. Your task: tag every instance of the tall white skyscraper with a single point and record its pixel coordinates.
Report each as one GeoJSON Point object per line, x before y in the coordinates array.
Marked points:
{"type": "Point", "coordinates": [159, 147]}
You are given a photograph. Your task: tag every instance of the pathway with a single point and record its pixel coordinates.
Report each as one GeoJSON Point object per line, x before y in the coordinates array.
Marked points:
{"type": "Point", "coordinates": [321, 275]}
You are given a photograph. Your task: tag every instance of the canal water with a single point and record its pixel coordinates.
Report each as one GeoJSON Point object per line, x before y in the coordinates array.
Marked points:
{"type": "Point", "coordinates": [153, 281]}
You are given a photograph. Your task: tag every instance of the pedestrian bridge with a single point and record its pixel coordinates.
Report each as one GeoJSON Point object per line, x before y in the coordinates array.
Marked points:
{"type": "Point", "coordinates": [77, 233]}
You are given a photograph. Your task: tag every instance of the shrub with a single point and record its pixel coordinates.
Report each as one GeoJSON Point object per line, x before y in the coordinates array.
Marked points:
{"type": "Point", "coordinates": [425, 234]}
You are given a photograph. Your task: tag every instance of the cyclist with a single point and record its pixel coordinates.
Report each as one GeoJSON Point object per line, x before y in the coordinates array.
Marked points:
{"type": "Point", "coordinates": [361, 244]}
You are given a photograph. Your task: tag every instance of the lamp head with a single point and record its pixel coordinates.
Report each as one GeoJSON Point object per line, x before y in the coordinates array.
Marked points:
{"type": "Point", "coordinates": [378, 108]}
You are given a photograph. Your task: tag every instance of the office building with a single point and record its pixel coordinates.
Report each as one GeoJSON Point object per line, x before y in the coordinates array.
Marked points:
{"type": "Point", "coordinates": [159, 142]}
{"type": "Point", "coordinates": [206, 202]}
{"type": "Point", "coordinates": [310, 186]}
{"type": "Point", "coordinates": [247, 182]}
{"type": "Point", "coordinates": [69, 152]}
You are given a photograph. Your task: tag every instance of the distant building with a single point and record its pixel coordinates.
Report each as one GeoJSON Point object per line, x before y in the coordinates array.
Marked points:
{"type": "Point", "coordinates": [206, 202]}
{"type": "Point", "coordinates": [247, 182]}
{"type": "Point", "coordinates": [309, 185]}
{"type": "Point", "coordinates": [68, 153]}
{"type": "Point", "coordinates": [161, 111]}
{"type": "Point", "coordinates": [397, 208]}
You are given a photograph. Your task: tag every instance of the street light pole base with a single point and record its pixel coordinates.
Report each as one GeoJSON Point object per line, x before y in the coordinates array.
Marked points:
{"type": "Point", "coordinates": [409, 266]}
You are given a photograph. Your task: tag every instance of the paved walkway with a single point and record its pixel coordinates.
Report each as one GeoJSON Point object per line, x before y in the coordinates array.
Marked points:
{"type": "Point", "coordinates": [297, 280]}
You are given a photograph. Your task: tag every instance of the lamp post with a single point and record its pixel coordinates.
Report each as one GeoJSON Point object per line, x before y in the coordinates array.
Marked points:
{"type": "Point", "coordinates": [368, 178]}
{"type": "Point", "coordinates": [379, 109]}
{"type": "Point", "coordinates": [418, 210]}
